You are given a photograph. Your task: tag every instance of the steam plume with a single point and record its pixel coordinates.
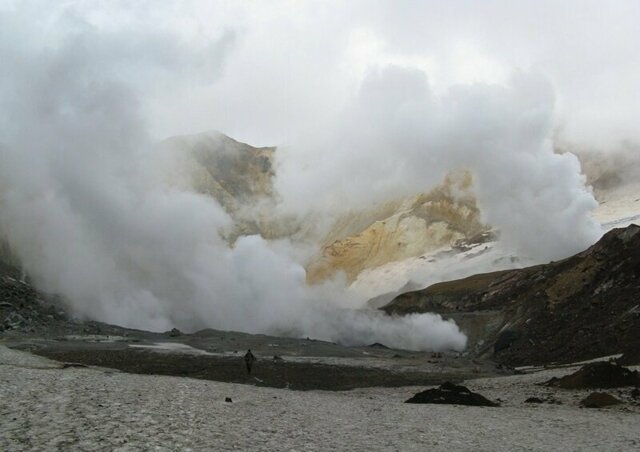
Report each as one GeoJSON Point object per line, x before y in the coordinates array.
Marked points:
{"type": "Point", "coordinates": [84, 206]}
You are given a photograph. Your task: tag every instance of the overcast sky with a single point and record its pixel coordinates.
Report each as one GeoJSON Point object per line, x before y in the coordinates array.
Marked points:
{"type": "Point", "coordinates": [267, 71]}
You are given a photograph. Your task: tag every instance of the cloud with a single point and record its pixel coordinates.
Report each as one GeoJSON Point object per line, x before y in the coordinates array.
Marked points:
{"type": "Point", "coordinates": [398, 138]}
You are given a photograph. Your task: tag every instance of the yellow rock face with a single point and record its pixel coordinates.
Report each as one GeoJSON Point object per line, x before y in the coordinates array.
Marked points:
{"type": "Point", "coordinates": [442, 217]}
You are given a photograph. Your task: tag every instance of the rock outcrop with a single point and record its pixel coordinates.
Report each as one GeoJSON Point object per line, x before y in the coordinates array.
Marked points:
{"type": "Point", "coordinates": [451, 394]}
{"type": "Point", "coordinates": [598, 375]}
{"type": "Point", "coordinates": [22, 308]}
{"type": "Point", "coordinates": [232, 172]}
{"type": "Point", "coordinates": [443, 217]}
{"type": "Point", "coordinates": [599, 400]}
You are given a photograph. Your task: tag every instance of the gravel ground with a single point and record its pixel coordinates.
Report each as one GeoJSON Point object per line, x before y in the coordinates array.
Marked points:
{"type": "Point", "coordinates": [47, 407]}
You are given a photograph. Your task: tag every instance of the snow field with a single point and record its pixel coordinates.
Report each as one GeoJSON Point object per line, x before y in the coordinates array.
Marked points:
{"type": "Point", "coordinates": [45, 407]}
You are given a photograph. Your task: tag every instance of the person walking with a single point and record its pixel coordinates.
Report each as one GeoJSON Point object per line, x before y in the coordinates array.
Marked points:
{"type": "Point", "coordinates": [249, 359]}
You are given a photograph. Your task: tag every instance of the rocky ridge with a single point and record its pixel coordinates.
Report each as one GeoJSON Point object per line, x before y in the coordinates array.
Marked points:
{"type": "Point", "coordinates": [579, 308]}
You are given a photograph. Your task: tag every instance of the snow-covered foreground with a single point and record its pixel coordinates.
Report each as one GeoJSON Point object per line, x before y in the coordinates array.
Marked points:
{"type": "Point", "coordinates": [46, 407]}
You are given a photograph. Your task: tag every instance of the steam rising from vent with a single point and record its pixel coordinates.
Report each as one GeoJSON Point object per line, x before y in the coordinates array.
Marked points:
{"type": "Point", "coordinates": [397, 138]}
{"type": "Point", "coordinates": [88, 91]}
{"type": "Point", "coordinates": [85, 207]}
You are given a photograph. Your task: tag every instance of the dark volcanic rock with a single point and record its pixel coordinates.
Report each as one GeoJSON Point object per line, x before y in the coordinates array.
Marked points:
{"type": "Point", "coordinates": [505, 340]}
{"type": "Point", "coordinates": [448, 393]}
{"type": "Point", "coordinates": [630, 357]}
{"type": "Point", "coordinates": [534, 400]}
{"type": "Point", "coordinates": [22, 308]}
{"type": "Point", "coordinates": [598, 375]}
{"type": "Point", "coordinates": [26, 311]}
{"type": "Point", "coordinates": [575, 309]}
{"type": "Point", "coordinates": [599, 400]}
{"type": "Point", "coordinates": [377, 345]}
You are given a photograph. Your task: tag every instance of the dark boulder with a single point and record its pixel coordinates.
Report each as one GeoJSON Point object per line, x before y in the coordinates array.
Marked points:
{"type": "Point", "coordinates": [598, 375]}
{"type": "Point", "coordinates": [377, 345]}
{"type": "Point", "coordinates": [599, 400]}
{"type": "Point", "coordinates": [448, 393]}
{"type": "Point", "coordinates": [175, 332]}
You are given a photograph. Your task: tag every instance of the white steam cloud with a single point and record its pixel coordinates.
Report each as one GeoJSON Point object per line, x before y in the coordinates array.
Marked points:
{"type": "Point", "coordinates": [84, 206]}
{"type": "Point", "coordinates": [368, 100]}
{"type": "Point", "coordinates": [398, 138]}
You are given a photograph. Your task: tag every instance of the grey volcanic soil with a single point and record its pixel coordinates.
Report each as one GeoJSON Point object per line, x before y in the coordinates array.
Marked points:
{"type": "Point", "coordinates": [301, 364]}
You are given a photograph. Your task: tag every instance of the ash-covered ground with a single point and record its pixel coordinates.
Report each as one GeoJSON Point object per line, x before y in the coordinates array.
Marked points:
{"type": "Point", "coordinates": [49, 406]}
{"type": "Point", "coordinates": [101, 387]}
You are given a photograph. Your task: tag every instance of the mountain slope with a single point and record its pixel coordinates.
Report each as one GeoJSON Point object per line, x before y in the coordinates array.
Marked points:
{"type": "Point", "coordinates": [579, 308]}
{"type": "Point", "coordinates": [442, 217]}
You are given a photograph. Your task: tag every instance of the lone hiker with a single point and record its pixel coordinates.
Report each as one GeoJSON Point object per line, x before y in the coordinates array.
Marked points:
{"type": "Point", "coordinates": [249, 360]}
